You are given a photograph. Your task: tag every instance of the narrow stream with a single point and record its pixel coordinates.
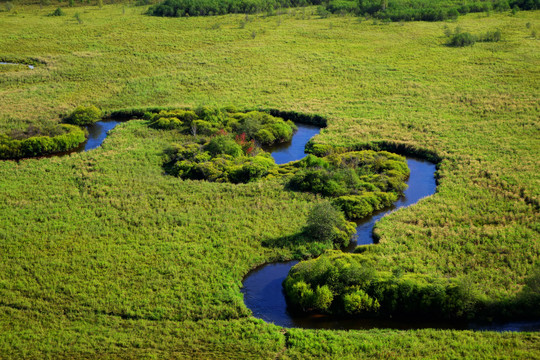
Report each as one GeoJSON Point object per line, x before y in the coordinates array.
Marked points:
{"type": "Point", "coordinates": [97, 133]}
{"type": "Point", "coordinates": [263, 292]}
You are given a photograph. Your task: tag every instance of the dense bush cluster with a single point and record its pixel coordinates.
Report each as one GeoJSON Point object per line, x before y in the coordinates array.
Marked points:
{"type": "Point", "coordinates": [65, 137]}
{"type": "Point", "coordinates": [84, 115]}
{"type": "Point", "coordinates": [393, 10]}
{"type": "Point", "coordinates": [178, 8]}
{"type": "Point", "coordinates": [262, 127]}
{"type": "Point", "coordinates": [57, 12]}
{"type": "Point", "coordinates": [340, 283]}
{"type": "Point", "coordinates": [425, 10]}
{"type": "Point", "coordinates": [360, 181]}
{"type": "Point", "coordinates": [223, 158]}
{"type": "Point", "coordinates": [461, 39]}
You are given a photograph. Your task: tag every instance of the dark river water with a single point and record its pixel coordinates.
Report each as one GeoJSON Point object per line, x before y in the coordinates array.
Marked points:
{"type": "Point", "coordinates": [97, 134]}
{"type": "Point", "coordinates": [294, 149]}
{"type": "Point", "coordinates": [262, 287]}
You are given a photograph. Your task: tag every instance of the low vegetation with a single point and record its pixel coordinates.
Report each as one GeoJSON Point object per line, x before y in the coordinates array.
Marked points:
{"type": "Point", "coordinates": [84, 115]}
{"type": "Point", "coordinates": [461, 39]}
{"type": "Point", "coordinates": [38, 141]}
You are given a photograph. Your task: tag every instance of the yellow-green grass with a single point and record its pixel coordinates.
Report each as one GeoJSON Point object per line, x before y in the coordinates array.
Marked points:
{"type": "Point", "coordinates": [101, 243]}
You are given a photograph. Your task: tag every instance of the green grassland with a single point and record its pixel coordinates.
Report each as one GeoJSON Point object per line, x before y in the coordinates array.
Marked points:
{"type": "Point", "coordinates": [105, 256]}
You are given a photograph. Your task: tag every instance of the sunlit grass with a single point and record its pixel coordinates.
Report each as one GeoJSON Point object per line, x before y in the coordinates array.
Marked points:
{"type": "Point", "coordinates": [96, 244]}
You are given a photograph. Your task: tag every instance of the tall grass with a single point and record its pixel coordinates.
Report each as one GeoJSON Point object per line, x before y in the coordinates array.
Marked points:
{"type": "Point", "coordinates": [103, 255]}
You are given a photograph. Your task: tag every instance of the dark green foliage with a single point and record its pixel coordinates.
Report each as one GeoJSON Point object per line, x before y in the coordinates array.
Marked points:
{"type": "Point", "coordinates": [134, 113]}
{"type": "Point", "coordinates": [178, 8]}
{"type": "Point", "coordinates": [529, 298]}
{"type": "Point", "coordinates": [222, 159]}
{"type": "Point", "coordinates": [461, 39]}
{"type": "Point", "coordinates": [64, 138]}
{"type": "Point", "coordinates": [327, 224]}
{"type": "Point", "coordinates": [357, 289]}
{"type": "Point", "coordinates": [343, 6]}
{"type": "Point", "coordinates": [359, 206]}
{"type": "Point", "coordinates": [57, 12]}
{"type": "Point", "coordinates": [310, 119]}
{"type": "Point", "coordinates": [362, 181]}
{"type": "Point", "coordinates": [424, 10]}
{"type": "Point", "coordinates": [255, 125]}
{"type": "Point", "coordinates": [223, 145]}
{"type": "Point", "coordinates": [84, 115]}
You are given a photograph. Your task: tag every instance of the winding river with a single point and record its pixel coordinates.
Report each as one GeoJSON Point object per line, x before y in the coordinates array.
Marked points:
{"type": "Point", "coordinates": [96, 134]}
{"type": "Point", "coordinates": [262, 287]}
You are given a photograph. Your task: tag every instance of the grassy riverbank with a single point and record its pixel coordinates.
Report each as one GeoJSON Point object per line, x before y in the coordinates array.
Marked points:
{"type": "Point", "coordinates": [103, 255]}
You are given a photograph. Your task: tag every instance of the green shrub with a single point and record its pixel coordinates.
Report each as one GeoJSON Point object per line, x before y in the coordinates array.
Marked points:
{"type": "Point", "coordinates": [68, 137]}
{"type": "Point", "coordinates": [84, 115]}
{"type": "Point", "coordinates": [322, 298]}
{"type": "Point", "coordinates": [461, 39]}
{"type": "Point", "coordinates": [223, 144]}
{"type": "Point", "coordinates": [358, 302]}
{"type": "Point", "coordinates": [351, 278]}
{"type": "Point", "coordinates": [263, 136]}
{"type": "Point", "coordinates": [57, 12]}
{"type": "Point", "coordinates": [167, 123]}
{"type": "Point", "coordinates": [319, 149]}
{"type": "Point", "coordinates": [359, 206]}
{"type": "Point", "coordinates": [178, 8]}
{"type": "Point", "coordinates": [222, 159]}
{"type": "Point", "coordinates": [327, 224]}
{"type": "Point", "coordinates": [491, 36]}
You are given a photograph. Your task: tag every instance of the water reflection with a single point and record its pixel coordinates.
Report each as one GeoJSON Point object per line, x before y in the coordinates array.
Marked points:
{"type": "Point", "coordinates": [294, 149]}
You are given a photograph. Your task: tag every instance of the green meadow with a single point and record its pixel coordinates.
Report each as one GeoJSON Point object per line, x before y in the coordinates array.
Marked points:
{"type": "Point", "coordinates": [104, 255]}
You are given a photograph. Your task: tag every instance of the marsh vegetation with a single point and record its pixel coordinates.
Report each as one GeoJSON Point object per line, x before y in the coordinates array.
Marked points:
{"type": "Point", "coordinates": [104, 255]}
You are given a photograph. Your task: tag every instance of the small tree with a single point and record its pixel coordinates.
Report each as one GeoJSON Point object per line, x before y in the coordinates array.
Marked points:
{"type": "Point", "coordinates": [325, 223]}
{"type": "Point", "coordinates": [57, 12]}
